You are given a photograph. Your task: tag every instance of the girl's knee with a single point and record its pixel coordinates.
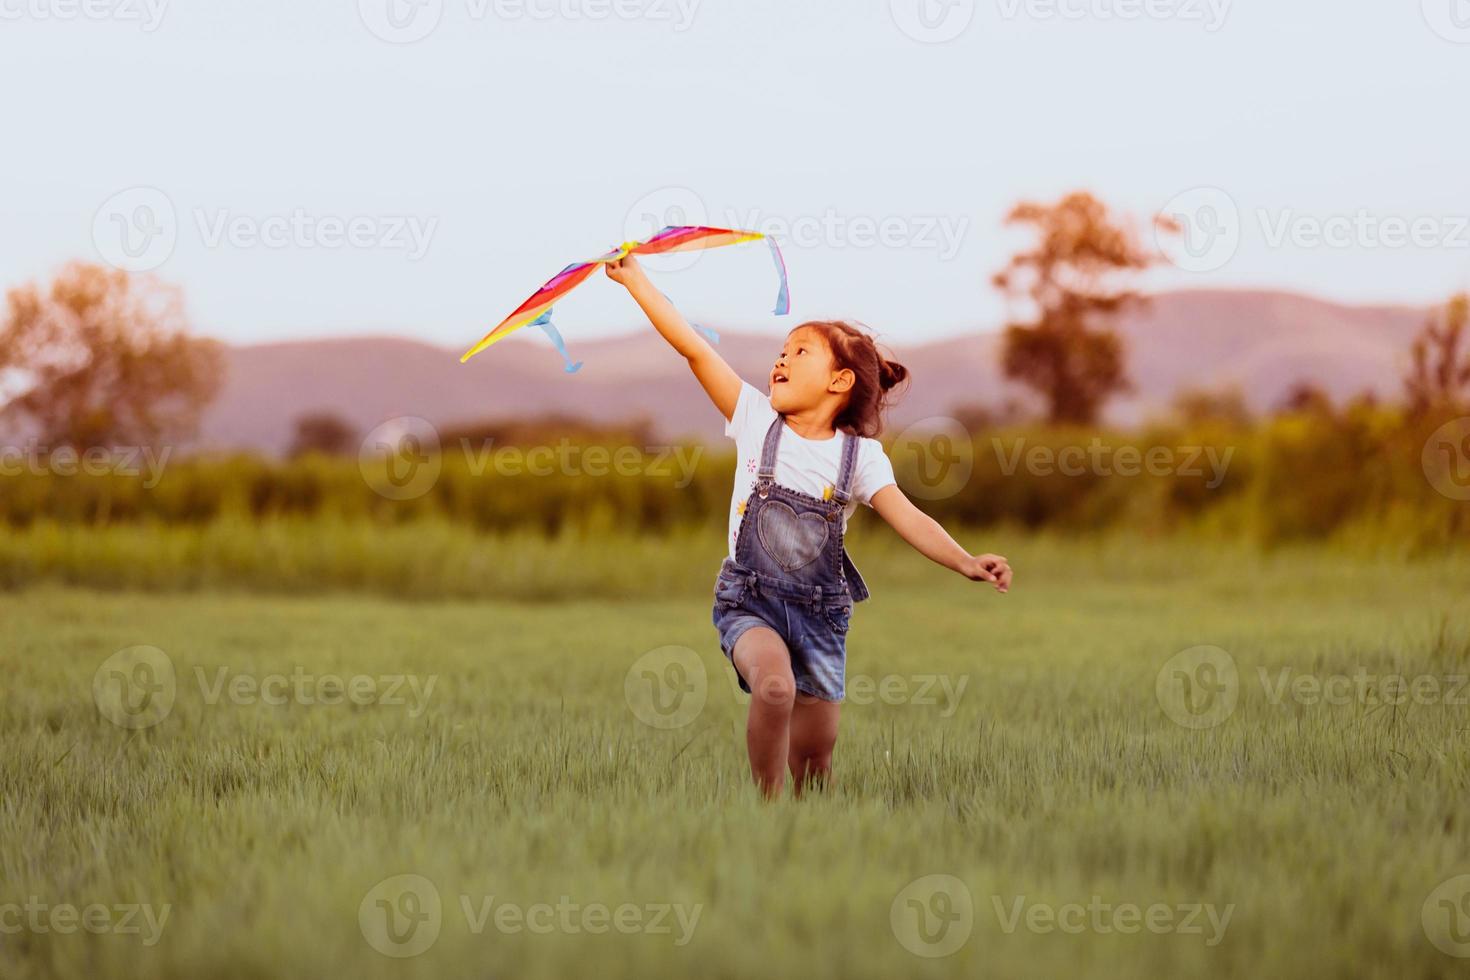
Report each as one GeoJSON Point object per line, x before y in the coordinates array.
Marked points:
{"type": "Point", "coordinates": [765, 664]}
{"type": "Point", "coordinates": [775, 687]}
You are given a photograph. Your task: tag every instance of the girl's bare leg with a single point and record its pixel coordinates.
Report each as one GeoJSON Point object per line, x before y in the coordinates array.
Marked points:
{"type": "Point", "coordinates": [765, 663]}
{"type": "Point", "coordinates": [813, 733]}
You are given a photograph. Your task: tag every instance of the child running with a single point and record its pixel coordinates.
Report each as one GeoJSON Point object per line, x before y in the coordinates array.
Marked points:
{"type": "Point", "coordinates": [784, 596]}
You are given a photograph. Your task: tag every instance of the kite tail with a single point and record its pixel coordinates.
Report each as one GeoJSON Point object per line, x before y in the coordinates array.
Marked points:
{"type": "Point", "coordinates": [783, 297]}
{"type": "Point", "coordinates": [544, 322]}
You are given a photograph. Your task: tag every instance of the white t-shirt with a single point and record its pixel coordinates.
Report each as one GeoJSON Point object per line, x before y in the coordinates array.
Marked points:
{"type": "Point", "coordinates": [808, 466]}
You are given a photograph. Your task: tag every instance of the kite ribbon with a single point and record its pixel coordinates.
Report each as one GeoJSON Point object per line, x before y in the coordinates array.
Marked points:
{"type": "Point", "coordinates": [544, 322]}
{"type": "Point", "coordinates": [783, 296]}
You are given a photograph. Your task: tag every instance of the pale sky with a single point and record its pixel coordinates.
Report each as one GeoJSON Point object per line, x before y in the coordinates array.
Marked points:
{"type": "Point", "coordinates": [881, 141]}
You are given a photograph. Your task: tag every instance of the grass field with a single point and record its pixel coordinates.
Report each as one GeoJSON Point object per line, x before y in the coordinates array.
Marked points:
{"type": "Point", "coordinates": [1021, 746]}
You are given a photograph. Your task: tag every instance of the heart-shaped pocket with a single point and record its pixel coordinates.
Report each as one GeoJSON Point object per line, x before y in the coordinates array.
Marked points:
{"type": "Point", "coordinates": [791, 539]}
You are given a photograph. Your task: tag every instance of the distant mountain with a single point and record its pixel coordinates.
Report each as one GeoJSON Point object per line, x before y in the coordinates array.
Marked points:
{"type": "Point", "coordinates": [1263, 342]}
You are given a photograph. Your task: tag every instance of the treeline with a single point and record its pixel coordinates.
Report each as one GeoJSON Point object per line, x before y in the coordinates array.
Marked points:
{"type": "Point", "coordinates": [1356, 473]}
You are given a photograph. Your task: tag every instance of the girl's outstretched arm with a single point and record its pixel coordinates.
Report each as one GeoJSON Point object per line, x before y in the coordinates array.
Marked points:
{"type": "Point", "coordinates": [933, 542]}
{"type": "Point", "coordinates": [718, 379]}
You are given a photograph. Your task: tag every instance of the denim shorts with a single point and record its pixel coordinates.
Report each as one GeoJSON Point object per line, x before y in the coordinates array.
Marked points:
{"type": "Point", "coordinates": [813, 625]}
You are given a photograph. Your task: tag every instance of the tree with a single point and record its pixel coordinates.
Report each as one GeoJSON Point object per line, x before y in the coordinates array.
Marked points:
{"type": "Point", "coordinates": [1306, 398]}
{"type": "Point", "coordinates": [1067, 353]}
{"type": "Point", "coordinates": [1438, 377]}
{"type": "Point", "coordinates": [323, 432]}
{"type": "Point", "coordinates": [103, 359]}
{"type": "Point", "coordinates": [1199, 406]}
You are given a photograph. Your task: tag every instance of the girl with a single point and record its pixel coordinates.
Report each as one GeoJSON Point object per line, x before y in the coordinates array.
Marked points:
{"type": "Point", "coordinates": [784, 595]}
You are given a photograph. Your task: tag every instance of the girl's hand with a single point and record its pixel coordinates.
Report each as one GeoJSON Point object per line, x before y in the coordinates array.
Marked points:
{"type": "Point", "coordinates": [626, 271]}
{"type": "Point", "coordinates": [989, 568]}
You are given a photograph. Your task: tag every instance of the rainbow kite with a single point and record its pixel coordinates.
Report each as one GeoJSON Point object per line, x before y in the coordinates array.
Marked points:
{"type": "Point", "coordinates": [536, 311]}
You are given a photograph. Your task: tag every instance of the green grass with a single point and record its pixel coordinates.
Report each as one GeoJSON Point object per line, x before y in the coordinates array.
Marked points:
{"type": "Point", "coordinates": [1055, 776]}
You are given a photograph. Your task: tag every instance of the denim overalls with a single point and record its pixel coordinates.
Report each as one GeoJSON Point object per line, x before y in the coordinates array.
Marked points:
{"type": "Point", "coordinates": [792, 574]}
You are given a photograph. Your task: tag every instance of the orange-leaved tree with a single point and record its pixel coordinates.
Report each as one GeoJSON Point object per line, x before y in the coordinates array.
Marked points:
{"type": "Point", "coordinates": [102, 358]}
{"type": "Point", "coordinates": [1071, 279]}
{"type": "Point", "coordinates": [1439, 376]}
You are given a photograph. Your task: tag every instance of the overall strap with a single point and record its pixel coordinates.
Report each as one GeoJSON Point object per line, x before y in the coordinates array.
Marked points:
{"type": "Point", "coordinates": [767, 472]}
{"type": "Point", "coordinates": [843, 491]}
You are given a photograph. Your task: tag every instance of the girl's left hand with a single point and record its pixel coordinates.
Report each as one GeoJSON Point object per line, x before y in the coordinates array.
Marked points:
{"type": "Point", "coordinates": [989, 568]}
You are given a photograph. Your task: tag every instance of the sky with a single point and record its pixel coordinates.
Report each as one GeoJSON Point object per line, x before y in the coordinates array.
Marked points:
{"type": "Point", "coordinates": [419, 167]}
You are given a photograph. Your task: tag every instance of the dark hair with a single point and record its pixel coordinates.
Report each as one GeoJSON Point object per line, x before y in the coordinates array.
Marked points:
{"type": "Point", "coordinates": [854, 349]}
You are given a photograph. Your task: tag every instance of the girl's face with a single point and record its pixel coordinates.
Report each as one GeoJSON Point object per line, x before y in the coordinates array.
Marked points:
{"type": "Point", "coordinates": [805, 373]}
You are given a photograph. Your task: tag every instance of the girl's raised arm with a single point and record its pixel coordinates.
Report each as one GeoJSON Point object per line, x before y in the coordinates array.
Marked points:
{"type": "Point", "coordinates": [718, 379]}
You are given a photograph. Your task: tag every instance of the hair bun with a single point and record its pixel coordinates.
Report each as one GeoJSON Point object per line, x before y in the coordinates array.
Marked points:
{"type": "Point", "coordinates": [890, 374]}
